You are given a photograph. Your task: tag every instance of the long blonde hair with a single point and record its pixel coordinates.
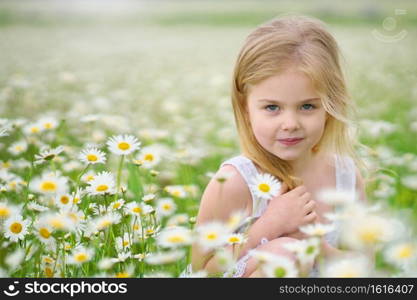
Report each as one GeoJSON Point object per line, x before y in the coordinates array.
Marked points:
{"type": "Point", "coordinates": [270, 49]}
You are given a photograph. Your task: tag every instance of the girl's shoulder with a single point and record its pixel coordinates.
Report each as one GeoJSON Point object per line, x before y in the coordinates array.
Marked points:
{"type": "Point", "coordinates": [225, 193]}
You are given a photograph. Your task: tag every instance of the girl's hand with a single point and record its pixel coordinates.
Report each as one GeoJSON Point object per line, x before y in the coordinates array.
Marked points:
{"type": "Point", "coordinates": [290, 210]}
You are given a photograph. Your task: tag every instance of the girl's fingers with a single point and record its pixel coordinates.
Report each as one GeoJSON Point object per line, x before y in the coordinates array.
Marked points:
{"type": "Point", "coordinates": [311, 217]}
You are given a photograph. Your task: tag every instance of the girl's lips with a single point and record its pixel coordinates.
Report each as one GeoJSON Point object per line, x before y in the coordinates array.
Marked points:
{"type": "Point", "coordinates": [290, 142]}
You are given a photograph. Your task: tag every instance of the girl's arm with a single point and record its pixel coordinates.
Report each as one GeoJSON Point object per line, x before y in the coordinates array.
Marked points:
{"type": "Point", "coordinates": [219, 200]}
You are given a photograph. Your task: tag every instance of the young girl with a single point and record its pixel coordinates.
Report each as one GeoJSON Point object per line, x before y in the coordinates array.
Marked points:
{"type": "Point", "coordinates": [293, 114]}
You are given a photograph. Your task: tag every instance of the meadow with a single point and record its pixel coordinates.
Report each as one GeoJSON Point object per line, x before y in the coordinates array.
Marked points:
{"type": "Point", "coordinates": [114, 117]}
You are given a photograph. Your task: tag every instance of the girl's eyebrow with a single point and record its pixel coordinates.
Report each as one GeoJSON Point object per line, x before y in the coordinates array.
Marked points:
{"type": "Point", "coordinates": [280, 102]}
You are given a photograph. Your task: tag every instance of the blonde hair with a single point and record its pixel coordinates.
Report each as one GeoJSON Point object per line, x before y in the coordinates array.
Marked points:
{"type": "Point", "coordinates": [270, 49]}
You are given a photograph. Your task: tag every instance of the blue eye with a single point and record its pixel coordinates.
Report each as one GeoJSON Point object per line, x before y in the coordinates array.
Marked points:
{"type": "Point", "coordinates": [311, 105]}
{"type": "Point", "coordinates": [272, 107]}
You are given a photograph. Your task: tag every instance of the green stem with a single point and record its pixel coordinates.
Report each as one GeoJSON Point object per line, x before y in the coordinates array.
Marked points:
{"type": "Point", "coordinates": [119, 175]}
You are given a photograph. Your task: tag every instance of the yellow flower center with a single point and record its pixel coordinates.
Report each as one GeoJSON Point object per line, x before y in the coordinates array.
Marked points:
{"type": "Point", "coordinates": [123, 146]}
{"type": "Point", "coordinates": [81, 257]}
{"type": "Point", "coordinates": [137, 210]}
{"type": "Point", "coordinates": [116, 205]}
{"type": "Point", "coordinates": [18, 148]}
{"type": "Point", "coordinates": [76, 200]}
{"type": "Point", "coordinates": [73, 216]}
{"type": "Point", "coordinates": [65, 199]}
{"type": "Point", "coordinates": [4, 212]}
{"type": "Point", "coordinates": [263, 187]}
{"type": "Point", "coordinates": [49, 272]}
{"type": "Point", "coordinates": [34, 130]}
{"type": "Point", "coordinates": [166, 206]}
{"type": "Point", "coordinates": [405, 252]}
{"type": "Point", "coordinates": [370, 236]}
{"type": "Point", "coordinates": [176, 193]}
{"type": "Point", "coordinates": [102, 188]}
{"type": "Point", "coordinates": [136, 227]}
{"type": "Point", "coordinates": [234, 239]}
{"type": "Point", "coordinates": [92, 157]}
{"type": "Point", "coordinates": [149, 157]}
{"type": "Point", "coordinates": [176, 239]}
{"type": "Point", "coordinates": [122, 275]}
{"type": "Point", "coordinates": [16, 228]}
{"type": "Point", "coordinates": [57, 223]}
{"type": "Point", "coordinates": [90, 177]}
{"type": "Point", "coordinates": [105, 223]}
{"type": "Point", "coordinates": [212, 236]}
{"type": "Point", "coordinates": [48, 186]}
{"type": "Point", "coordinates": [44, 233]}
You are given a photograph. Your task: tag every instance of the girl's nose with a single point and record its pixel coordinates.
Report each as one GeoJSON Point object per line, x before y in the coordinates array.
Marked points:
{"type": "Point", "coordinates": [290, 122]}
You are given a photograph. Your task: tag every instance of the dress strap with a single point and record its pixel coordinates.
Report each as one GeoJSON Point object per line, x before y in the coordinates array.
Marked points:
{"type": "Point", "coordinates": [345, 174]}
{"type": "Point", "coordinates": [248, 171]}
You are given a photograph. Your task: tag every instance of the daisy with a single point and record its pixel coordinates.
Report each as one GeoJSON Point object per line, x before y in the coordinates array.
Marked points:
{"type": "Point", "coordinates": [236, 238]}
{"type": "Point", "coordinates": [47, 154]}
{"type": "Point", "coordinates": [102, 184]}
{"type": "Point", "coordinates": [18, 148]}
{"type": "Point", "coordinates": [15, 228]}
{"type": "Point", "coordinates": [174, 237]}
{"type": "Point", "coordinates": [48, 123]}
{"type": "Point", "coordinates": [49, 183]}
{"type": "Point", "coordinates": [106, 263]}
{"type": "Point", "coordinates": [176, 191]}
{"type": "Point", "coordinates": [32, 128]}
{"type": "Point", "coordinates": [77, 195]}
{"type": "Point", "coordinates": [317, 229]}
{"type": "Point", "coordinates": [212, 235]}
{"type": "Point", "coordinates": [148, 198]}
{"type": "Point", "coordinates": [123, 144]}
{"type": "Point", "coordinates": [8, 210]}
{"type": "Point", "coordinates": [92, 156]}
{"type": "Point", "coordinates": [280, 267]}
{"type": "Point", "coordinates": [44, 232]}
{"type": "Point", "coordinates": [105, 221]}
{"type": "Point", "coordinates": [236, 219]}
{"type": "Point", "coordinates": [401, 254]}
{"type": "Point", "coordinates": [165, 207]}
{"type": "Point", "coordinates": [265, 186]}
{"type": "Point", "coordinates": [63, 200]}
{"type": "Point", "coordinates": [149, 156]}
{"type": "Point", "coordinates": [89, 176]}
{"type": "Point", "coordinates": [305, 250]}
{"type": "Point", "coordinates": [123, 243]}
{"type": "Point", "coordinates": [164, 257]}
{"type": "Point", "coordinates": [133, 208]}
{"type": "Point", "coordinates": [58, 221]}
{"type": "Point", "coordinates": [178, 219]}
{"type": "Point", "coordinates": [347, 268]}
{"type": "Point", "coordinates": [32, 205]}
{"type": "Point", "coordinates": [81, 255]}
{"type": "Point", "coordinates": [4, 131]}
{"type": "Point", "coordinates": [118, 204]}
{"type": "Point", "coordinates": [370, 231]}
{"type": "Point", "coordinates": [76, 216]}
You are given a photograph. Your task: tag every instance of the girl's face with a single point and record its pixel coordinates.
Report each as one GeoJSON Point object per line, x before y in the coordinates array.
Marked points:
{"type": "Point", "coordinates": [286, 106]}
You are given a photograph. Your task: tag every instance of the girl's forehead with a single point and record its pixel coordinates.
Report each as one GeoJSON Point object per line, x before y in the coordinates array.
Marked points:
{"type": "Point", "coordinates": [288, 86]}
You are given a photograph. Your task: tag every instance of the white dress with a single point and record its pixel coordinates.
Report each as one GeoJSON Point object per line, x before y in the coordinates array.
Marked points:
{"type": "Point", "coordinates": [345, 180]}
